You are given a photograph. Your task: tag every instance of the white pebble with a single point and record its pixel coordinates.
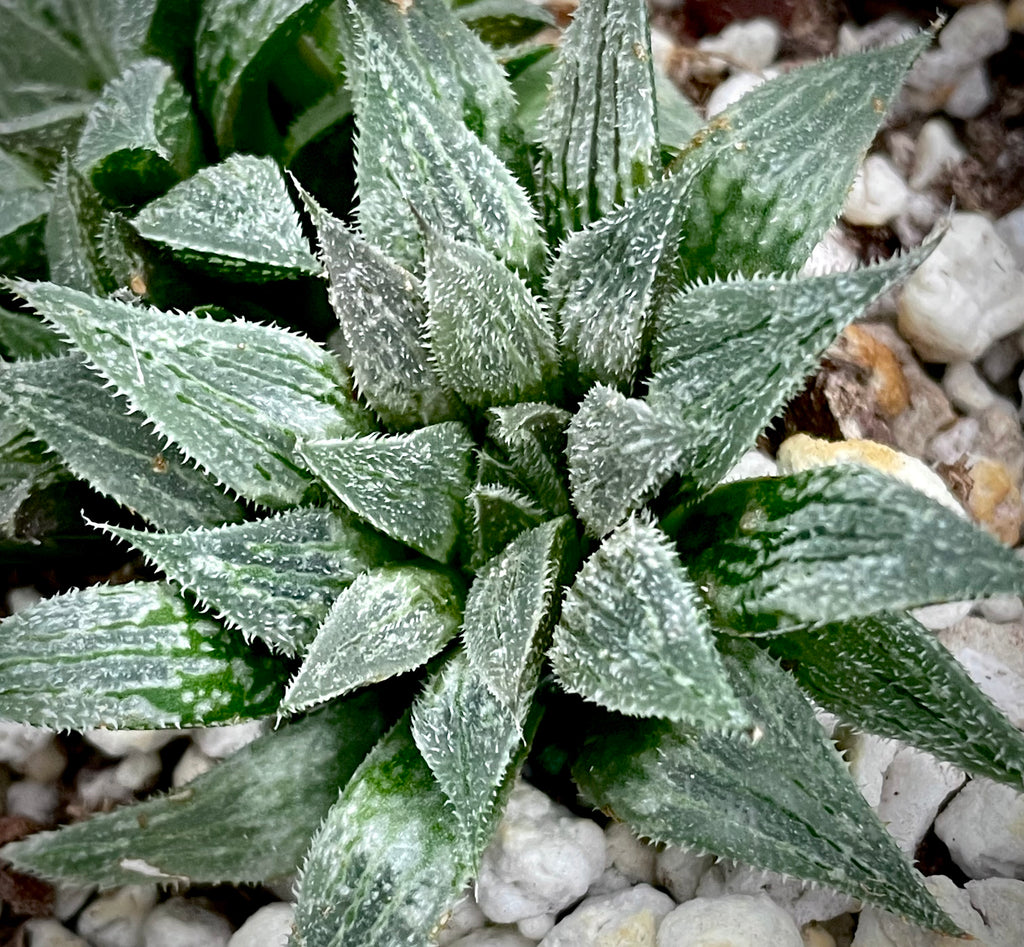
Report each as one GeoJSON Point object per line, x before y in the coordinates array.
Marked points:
{"type": "Point", "coordinates": [916, 784]}
{"type": "Point", "coordinates": [943, 615]}
{"type": "Point", "coordinates": [966, 295]}
{"type": "Point", "coordinates": [68, 900]}
{"type": "Point", "coordinates": [753, 463]}
{"type": "Point", "coordinates": [33, 800]}
{"type": "Point", "coordinates": [1000, 901]}
{"type": "Point", "coordinates": [1002, 609]}
{"type": "Point", "coordinates": [743, 44]}
{"type": "Point", "coordinates": [884, 31]}
{"type": "Point", "coordinates": [541, 860]}
{"type": "Point", "coordinates": [47, 762]}
{"type": "Point", "coordinates": [179, 922]}
{"type": "Point", "coordinates": [465, 916]}
{"type": "Point", "coordinates": [965, 387]}
{"type": "Point", "coordinates": [983, 828]}
{"type": "Point", "coordinates": [878, 196]}
{"type": "Point", "coordinates": [534, 928]}
{"type": "Point", "coordinates": [971, 95]}
{"type": "Point", "coordinates": [976, 32]}
{"type": "Point", "coordinates": [18, 743]}
{"type": "Point", "coordinates": [993, 657]}
{"type": "Point", "coordinates": [738, 920]}
{"type": "Point", "coordinates": [270, 926]}
{"type": "Point", "coordinates": [732, 90]}
{"type": "Point", "coordinates": [138, 771]}
{"type": "Point", "coordinates": [218, 742]}
{"type": "Point", "coordinates": [833, 253]}
{"type": "Point", "coordinates": [877, 928]}
{"type": "Point", "coordinates": [24, 596]}
{"type": "Point", "coordinates": [46, 932]}
{"type": "Point", "coordinates": [194, 762]}
{"type": "Point", "coordinates": [680, 870]}
{"type": "Point", "coordinates": [115, 919]}
{"type": "Point", "coordinates": [1010, 228]}
{"type": "Point", "coordinates": [627, 918]}
{"type": "Point", "coordinates": [868, 757]}
{"type": "Point", "coordinates": [100, 789]}
{"type": "Point", "coordinates": [635, 859]}
{"type": "Point", "coordinates": [494, 937]}
{"type": "Point", "coordinates": [937, 151]}
{"type": "Point", "coordinates": [123, 742]}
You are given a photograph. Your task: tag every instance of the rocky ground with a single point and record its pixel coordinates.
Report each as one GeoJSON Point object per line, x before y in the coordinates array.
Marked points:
{"type": "Point", "coordinates": [932, 375]}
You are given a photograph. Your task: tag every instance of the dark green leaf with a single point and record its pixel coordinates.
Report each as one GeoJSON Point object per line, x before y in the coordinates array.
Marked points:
{"type": "Point", "coordinates": [42, 137]}
{"type": "Point", "coordinates": [501, 23]}
{"type": "Point", "coordinates": [499, 514]}
{"type": "Point", "coordinates": [22, 216]}
{"type": "Point", "coordinates": [73, 233]}
{"type": "Point", "coordinates": [24, 336]}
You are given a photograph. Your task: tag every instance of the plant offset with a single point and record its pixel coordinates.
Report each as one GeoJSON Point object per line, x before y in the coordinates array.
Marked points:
{"type": "Point", "coordinates": [500, 488]}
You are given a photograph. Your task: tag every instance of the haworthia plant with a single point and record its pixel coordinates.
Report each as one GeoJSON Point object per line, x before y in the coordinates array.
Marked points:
{"type": "Point", "coordinates": [487, 387]}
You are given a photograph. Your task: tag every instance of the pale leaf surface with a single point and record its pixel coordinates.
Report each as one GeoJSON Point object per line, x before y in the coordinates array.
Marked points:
{"type": "Point", "coordinates": [72, 233]}
{"type": "Point", "coordinates": [499, 513]}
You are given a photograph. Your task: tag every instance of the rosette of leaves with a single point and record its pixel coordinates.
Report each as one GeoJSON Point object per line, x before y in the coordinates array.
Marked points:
{"type": "Point", "coordinates": [499, 493]}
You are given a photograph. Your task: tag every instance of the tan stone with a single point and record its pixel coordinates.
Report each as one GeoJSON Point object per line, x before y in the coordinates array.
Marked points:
{"type": "Point", "coordinates": [994, 500]}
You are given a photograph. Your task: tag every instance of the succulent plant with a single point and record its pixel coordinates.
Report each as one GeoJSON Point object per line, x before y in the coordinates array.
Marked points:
{"type": "Point", "coordinates": [487, 526]}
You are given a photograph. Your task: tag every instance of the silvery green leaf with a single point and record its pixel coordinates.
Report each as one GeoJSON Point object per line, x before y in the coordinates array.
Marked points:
{"type": "Point", "coordinates": [727, 356]}
{"type": "Point", "coordinates": [22, 222]}
{"type": "Point", "coordinates": [768, 550]}
{"type": "Point", "coordinates": [389, 621]}
{"type": "Point", "coordinates": [274, 578]}
{"type": "Point", "coordinates": [42, 137]}
{"type": "Point", "coordinates": [782, 161]}
{"type": "Point", "coordinates": [509, 611]}
{"type": "Point", "coordinates": [499, 513]}
{"type": "Point", "coordinates": [410, 486]}
{"type": "Point", "coordinates": [236, 41]}
{"type": "Point", "coordinates": [26, 468]}
{"type": "Point", "coordinates": [72, 233]}
{"type": "Point", "coordinates": [17, 174]}
{"type": "Point", "coordinates": [384, 866]}
{"type": "Point", "coordinates": [890, 675]}
{"type": "Point", "coordinates": [232, 395]}
{"type": "Point", "coordinates": [678, 118]}
{"type": "Point", "coordinates": [140, 137]}
{"type": "Point", "coordinates": [331, 109]}
{"type": "Point", "coordinates": [67, 407]}
{"type": "Point", "coordinates": [414, 151]}
{"type": "Point", "coordinates": [382, 314]}
{"type": "Point", "coordinates": [112, 33]}
{"type": "Point", "coordinates": [599, 129]}
{"type": "Point", "coordinates": [782, 800]}
{"type": "Point", "coordinates": [532, 435]}
{"type": "Point", "coordinates": [235, 218]}
{"type": "Point", "coordinates": [504, 23]}
{"type": "Point", "coordinates": [621, 453]}
{"type": "Point", "coordinates": [491, 338]}
{"type": "Point", "coordinates": [246, 821]}
{"type": "Point", "coordinates": [129, 656]}
{"type": "Point", "coordinates": [634, 636]}
{"type": "Point", "coordinates": [25, 336]}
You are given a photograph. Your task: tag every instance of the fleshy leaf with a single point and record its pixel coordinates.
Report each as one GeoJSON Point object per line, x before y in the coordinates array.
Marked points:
{"type": "Point", "coordinates": [783, 159]}
{"type": "Point", "coordinates": [22, 217]}
{"type": "Point", "coordinates": [389, 621]}
{"type": "Point", "coordinates": [889, 675]}
{"type": "Point", "coordinates": [384, 866]}
{"type": "Point", "coordinates": [382, 314]}
{"type": "Point", "coordinates": [235, 218]}
{"type": "Point", "coordinates": [728, 356]}
{"type": "Point", "coordinates": [25, 336]}
{"type": "Point", "coordinates": [765, 551]}
{"type": "Point", "coordinates": [17, 175]}
{"type": "Point", "coordinates": [129, 656]}
{"type": "Point", "coordinates": [72, 233]}
{"type": "Point", "coordinates": [599, 128]}
{"type": "Point", "coordinates": [42, 137]}
{"type": "Point", "coordinates": [236, 41]}
{"type": "Point", "coordinates": [414, 151]}
{"type": "Point", "coordinates": [782, 800]}
{"type": "Point", "coordinates": [66, 406]}
{"type": "Point", "coordinates": [634, 636]}
{"type": "Point", "coordinates": [678, 119]}
{"type": "Point", "coordinates": [493, 341]}
{"type": "Point", "coordinates": [410, 486]}
{"type": "Point", "coordinates": [273, 579]}
{"type": "Point", "coordinates": [265, 801]}
{"type": "Point", "coordinates": [503, 23]}
{"type": "Point", "coordinates": [26, 468]}
{"type": "Point", "coordinates": [620, 454]}
{"type": "Point", "coordinates": [499, 513]}
{"type": "Point", "coordinates": [259, 386]}
{"type": "Point", "coordinates": [140, 137]}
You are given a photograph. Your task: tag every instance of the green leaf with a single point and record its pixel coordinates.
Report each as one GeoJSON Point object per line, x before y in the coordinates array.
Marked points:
{"type": "Point", "coordinates": [331, 109]}
{"type": "Point", "coordinates": [382, 314]}
{"type": "Point", "coordinates": [602, 285]}
{"type": "Point", "coordinates": [782, 801]}
{"type": "Point", "coordinates": [634, 636]}
{"type": "Point", "coordinates": [17, 175]}
{"type": "Point", "coordinates": [113, 33]}
{"type": "Point", "coordinates": [140, 137]}
{"type": "Point", "coordinates": [232, 395]}
{"type": "Point", "coordinates": [530, 86]}
{"type": "Point", "coordinates": [836, 543]}
{"type": "Point", "coordinates": [236, 43]}
{"type": "Point", "coordinates": [389, 621]}
{"type": "Point", "coordinates": [678, 118]}
{"type": "Point", "coordinates": [26, 469]}
{"type": "Point", "coordinates": [600, 126]}
{"type": "Point", "coordinates": [890, 675]}
{"type": "Point", "coordinates": [410, 486]}
{"type": "Point", "coordinates": [42, 137]}
{"type": "Point", "coordinates": [503, 23]}
{"type": "Point", "coordinates": [246, 821]}
{"type": "Point", "coordinates": [499, 514]}
{"type": "Point", "coordinates": [414, 151]}
{"type": "Point", "coordinates": [384, 866]}
{"type": "Point", "coordinates": [22, 216]}
{"type": "Point", "coordinates": [782, 161]}
{"type": "Point", "coordinates": [67, 406]}
{"type": "Point", "coordinates": [491, 338]}
{"type": "Point", "coordinates": [25, 336]}
{"type": "Point", "coordinates": [129, 656]}
{"type": "Point", "coordinates": [727, 356]}
{"type": "Point", "coordinates": [620, 455]}
{"type": "Point", "coordinates": [235, 218]}
{"type": "Point", "coordinates": [273, 579]}
{"type": "Point", "coordinates": [72, 233]}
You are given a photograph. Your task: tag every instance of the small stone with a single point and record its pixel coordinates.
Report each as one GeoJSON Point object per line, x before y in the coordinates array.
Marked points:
{"type": "Point", "coordinates": [878, 195]}
{"type": "Point", "coordinates": [868, 757]}
{"type": "Point", "coordinates": [916, 784]}
{"type": "Point", "coordinates": [123, 742]}
{"type": "Point", "coordinates": [22, 597]}
{"type": "Point", "coordinates": [993, 657]}
{"type": "Point", "coordinates": [976, 32]}
{"type": "Point", "coordinates": [46, 932]}
{"type": "Point", "coordinates": [966, 389]}
{"type": "Point", "coordinates": [611, 880]}
{"type": "Point", "coordinates": [943, 615]}
{"type": "Point", "coordinates": [541, 860]}
{"type": "Point", "coordinates": [99, 789]}
{"type": "Point", "coordinates": [738, 920]}
{"type": "Point", "coordinates": [966, 295]}
{"type": "Point", "coordinates": [535, 928]}
{"type": "Point", "coordinates": [994, 500]}
{"type": "Point", "coordinates": [219, 742]}
{"type": "Point", "coordinates": [938, 150]}
{"type": "Point", "coordinates": [180, 922]}
{"type": "Point", "coordinates": [494, 937]}
{"type": "Point", "coordinates": [1002, 357]}
{"type": "Point", "coordinates": [47, 762]}
{"type": "Point", "coordinates": [115, 919]}
{"type": "Point", "coordinates": [1000, 437]}
{"type": "Point", "coordinates": [465, 916]}
{"type": "Point", "coordinates": [679, 871]}
{"type": "Point", "coordinates": [753, 463]}
{"type": "Point", "coordinates": [19, 742]}
{"type": "Point", "coordinates": [1002, 609]}
{"type": "Point", "coordinates": [627, 918]}
{"type": "Point", "coordinates": [1015, 16]}
{"type": "Point", "coordinates": [68, 900]}
{"type": "Point", "coordinates": [635, 859]}
{"type": "Point", "coordinates": [983, 828]}
{"type": "Point", "coordinates": [885, 31]}
{"type": "Point", "coordinates": [1010, 228]}
{"type": "Point", "coordinates": [138, 771]}
{"type": "Point", "coordinates": [732, 90]}
{"type": "Point", "coordinates": [971, 95]}
{"type": "Point", "coordinates": [743, 44]}
{"type": "Point", "coordinates": [951, 446]}
{"type": "Point", "coordinates": [815, 936]}
{"type": "Point", "coordinates": [194, 762]}
{"type": "Point", "coordinates": [270, 926]}
{"type": "Point", "coordinates": [833, 253]}
{"type": "Point", "coordinates": [1000, 901]}
{"type": "Point", "coordinates": [36, 801]}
